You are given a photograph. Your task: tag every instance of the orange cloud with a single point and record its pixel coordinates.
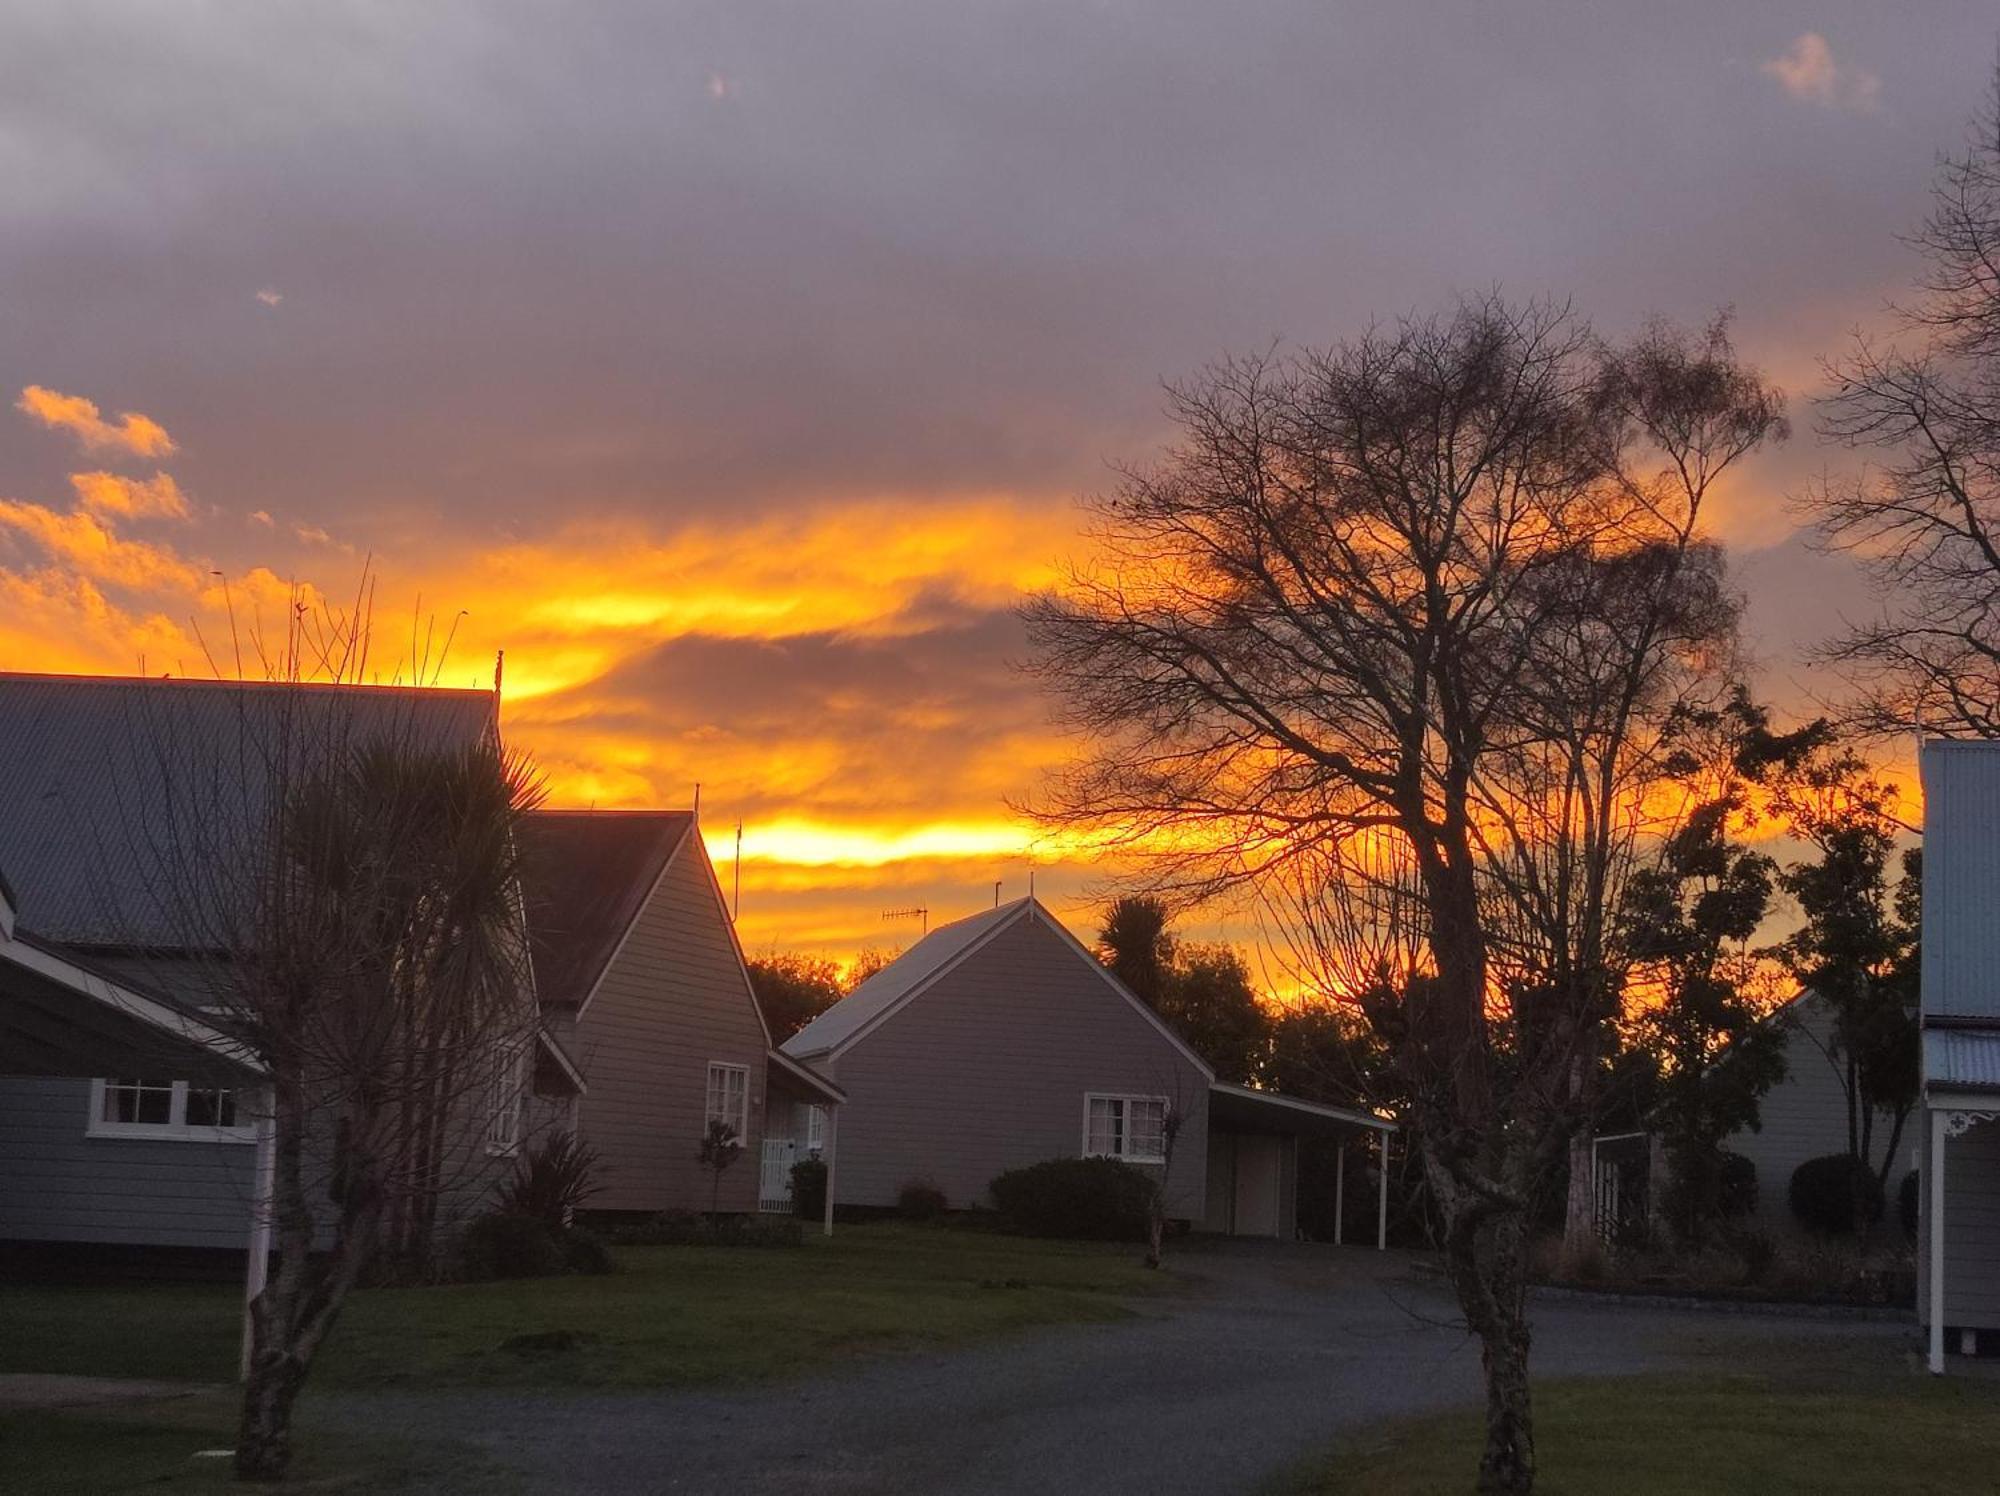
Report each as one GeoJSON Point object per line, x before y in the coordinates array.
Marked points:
{"type": "Point", "coordinates": [141, 436]}
{"type": "Point", "coordinates": [89, 547]}
{"type": "Point", "coordinates": [157, 497]}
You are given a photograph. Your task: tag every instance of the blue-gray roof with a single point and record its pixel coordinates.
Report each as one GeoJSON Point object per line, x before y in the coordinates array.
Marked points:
{"type": "Point", "coordinates": [899, 979]}
{"type": "Point", "coordinates": [104, 780]}
{"type": "Point", "coordinates": [1962, 1059]}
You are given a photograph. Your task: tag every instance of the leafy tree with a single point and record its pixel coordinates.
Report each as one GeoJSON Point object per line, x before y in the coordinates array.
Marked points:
{"type": "Point", "coordinates": [1686, 926]}
{"type": "Point", "coordinates": [793, 990]}
{"type": "Point", "coordinates": [1857, 945]}
{"type": "Point", "coordinates": [1135, 944]}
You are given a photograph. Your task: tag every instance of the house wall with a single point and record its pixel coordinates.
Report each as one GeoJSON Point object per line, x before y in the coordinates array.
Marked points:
{"type": "Point", "coordinates": [673, 999]}
{"type": "Point", "coordinates": [987, 1068]}
{"type": "Point", "coordinates": [1805, 1116]}
{"type": "Point", "coordinates": [58, 1184]}
{"type": "Point", "coordinates": [1971, 1233]}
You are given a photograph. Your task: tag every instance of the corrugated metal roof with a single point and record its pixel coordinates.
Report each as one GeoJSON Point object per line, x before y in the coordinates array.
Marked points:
{"type": "Point", "coordinates": [104, 780]}
{"type": "Point", "coordinates": [1961, 937]}
{"type": "Point", "coordinates": [585, 875]}
{"type": "Point", "coordinates": [1963, 1059]}
{"type": "Point", "coordinates": [899, 979]}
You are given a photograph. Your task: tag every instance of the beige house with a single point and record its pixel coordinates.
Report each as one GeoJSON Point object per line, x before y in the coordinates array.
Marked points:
{"type": "Point", "coordinates": [640, 976]}
{"type": "Point", "coordinates": [1000, 1041]}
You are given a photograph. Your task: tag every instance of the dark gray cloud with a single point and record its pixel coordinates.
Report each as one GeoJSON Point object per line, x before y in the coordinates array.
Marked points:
{"type": "Point", "coordinates": [528, 257]}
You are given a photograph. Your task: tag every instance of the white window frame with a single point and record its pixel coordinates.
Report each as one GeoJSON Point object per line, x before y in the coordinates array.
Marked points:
{"type": "Point", "coordinates": [815, 1128]}
{"type": "Point", "coordinates": [741, 1121]}
{"type": "Point", "coordinates": [1124, 1100]}
{"type": "Point", "coordinates": [506, 1102]}
{"type": "Point", "coordinates": [176, 1128]}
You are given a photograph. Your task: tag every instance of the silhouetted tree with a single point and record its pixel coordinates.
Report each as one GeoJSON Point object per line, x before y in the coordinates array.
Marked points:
{"type": "Point", "coordinates": [1923, 521]}
{"type": "Point", "coordinates": [1391, 622]}
{"type": "Point", "coordinates": [793, 990]}
{"type": "Point", "coordinates": [1203, 991]}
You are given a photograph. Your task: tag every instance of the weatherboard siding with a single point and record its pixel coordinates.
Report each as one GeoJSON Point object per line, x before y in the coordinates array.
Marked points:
{"type": "Point", "coordinates": [59, 1185]}
{"type": "Point", "coordinates": [987, 1069]}
{"type": "Point", "coordinates": [1961, 950]}
{"type": "Point", "coordinates": [672, 1000]}
{"type": "Point", "coordinates": [1971, 1233]}
{"type": "Point", "coordinates": [1805, 1116]}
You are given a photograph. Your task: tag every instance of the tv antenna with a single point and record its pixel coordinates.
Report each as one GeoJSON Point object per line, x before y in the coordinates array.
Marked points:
{"type": "Point", "coordinates": [916, 912]}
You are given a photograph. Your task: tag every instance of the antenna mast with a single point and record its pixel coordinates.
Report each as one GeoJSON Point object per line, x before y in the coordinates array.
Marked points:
{"type": "Point", "coordinates": [736, 898]}
{"type": "Point", "coordinates": [916, 912]}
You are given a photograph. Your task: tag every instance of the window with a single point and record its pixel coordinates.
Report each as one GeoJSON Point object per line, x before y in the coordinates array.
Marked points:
{"type": "Point", "coordinates": [815, 1129]}
{"type": "Point", "coordinates": [1133, 1128]}
{"type": "Point", "coordinates": [175, 1109]}
{"type": "Point", "coordinates": [503, 1104]}
{"type": "Point", "coordinates": [729, 1097]}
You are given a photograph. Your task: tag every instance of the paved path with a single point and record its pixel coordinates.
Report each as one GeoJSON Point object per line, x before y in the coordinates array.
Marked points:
{"type": "Point", "coordinates": [1277, 1351]}
{"type": "Point", "coordinates": [35, 1390]}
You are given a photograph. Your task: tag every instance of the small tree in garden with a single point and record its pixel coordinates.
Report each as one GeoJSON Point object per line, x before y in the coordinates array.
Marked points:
{"type": "Point", "coordinates": [720, 1148]}
{"type": "Point", "coordinates": [1156, 1214]}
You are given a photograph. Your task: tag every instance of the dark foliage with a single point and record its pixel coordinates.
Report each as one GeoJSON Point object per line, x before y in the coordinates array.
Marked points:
{"type": "Point", "coordinates": [501, 1245]}
{"type": "Point", "coordinates": [586, 1252]}
{"type": "Point", "coordinates": [809, 1189]}
{"type": "Point", "coordinates": [552, 1180]}
{"type": "Point", "coordinates": [920, 1200]}
{"type": "Point", "coordinates": [1094, 1199]}
{"type": "Point", "coordinates": [1735, 1187]}
{"type": "Point", "coordinates": [793, 990]}
{"type": "Point", "coordinates": [1830, 1194]}
{"type": "Point", "coordinates": [1204, 992]}
{"type": "Point", "coordinates": [686, 1228]}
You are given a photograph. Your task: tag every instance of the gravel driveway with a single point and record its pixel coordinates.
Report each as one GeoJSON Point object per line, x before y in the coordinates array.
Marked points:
{"type": "Point", "coordinates": [1274, 1352]}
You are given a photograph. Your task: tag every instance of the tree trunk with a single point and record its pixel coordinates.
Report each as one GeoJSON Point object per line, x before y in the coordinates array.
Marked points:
{"type": "Point", "coordinates": [1487, 1263]}
{"type": "Point", "coordinates": [1580, 1212]}
{"type": "Point", "coordinates": [264, 1434]}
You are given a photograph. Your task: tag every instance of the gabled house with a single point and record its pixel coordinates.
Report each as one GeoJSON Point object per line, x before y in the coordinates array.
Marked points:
{"type": "Point", "coordinates": [1958, 1259]}
{"type": "Point", "coordinates": [1803, 1116]}
{"type": "Point", "coordinates": [1000, 1040]}
{"type": "Point", "coordinates": [638, 969]}
{"type": "Point", "coordinates": [154, 1148]}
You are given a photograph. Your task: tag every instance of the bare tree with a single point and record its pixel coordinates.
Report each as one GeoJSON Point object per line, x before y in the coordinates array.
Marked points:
{"type": "Point", "coordinates": [1388, 622]}
{"type": "Point", "coordinates": [333, 881]}
{"type": "Point", "coordinates": [1925, 525]}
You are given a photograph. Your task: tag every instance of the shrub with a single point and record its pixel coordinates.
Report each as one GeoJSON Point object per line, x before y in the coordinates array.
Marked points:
{"type": "Point", "coordinates": [586, 1252]}
{"type": "Point", "coordinates": [685, 1228]}
{"type": "Point", "coordinates": [809, 1189]}
{"type": "Point", "coordinates": [1906, 1203]}
{"type": "Point", "coordinates": [920, 1200]}
{"type": "Point", "coordinates": [551, 1181]}
{"type": "Point", "coordinates": [1826, 1192]}
{"type": "Point", "coordinates": [501, 1245]}
{"type": "Point", "coordinates": [1735, 1187]}
{"type": "Point", "coordinates": [1099, 1199]}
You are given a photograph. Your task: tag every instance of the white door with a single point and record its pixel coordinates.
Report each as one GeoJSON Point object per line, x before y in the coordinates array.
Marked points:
{"type": "Point", "coordinates": [774, 1185]}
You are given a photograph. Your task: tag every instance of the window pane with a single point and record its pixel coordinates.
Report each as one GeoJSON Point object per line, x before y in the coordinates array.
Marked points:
{"type": "Point", "coordinates": [211, 1108]}
{"type": "Point", "coordinates": [148, 1102]}
{"type": "Point", "coordinates": [1103, 1132]}
{"type": "Point", "coordinates": [1148, 1129]}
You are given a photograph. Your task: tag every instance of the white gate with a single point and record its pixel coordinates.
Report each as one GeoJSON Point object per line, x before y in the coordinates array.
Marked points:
{"type": "Point", "coordinates": [774, 1186]}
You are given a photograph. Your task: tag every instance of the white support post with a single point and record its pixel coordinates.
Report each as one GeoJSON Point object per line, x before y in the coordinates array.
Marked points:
{"type": "Point", "coordinates": [1936, 1227]}
{"type": "Point", "coordinates": [259, 1262]}
{"type": "Point", "coordinates": [1340, 1195]}
{"type": "Point", "coordinates": [832, 1149]}
{"type": "Point", "coordinates": [1382, 1196]}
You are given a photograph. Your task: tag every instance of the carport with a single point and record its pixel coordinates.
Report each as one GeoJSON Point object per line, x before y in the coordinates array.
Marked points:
{"type": "Point", "coordinates": [1253, 1140]}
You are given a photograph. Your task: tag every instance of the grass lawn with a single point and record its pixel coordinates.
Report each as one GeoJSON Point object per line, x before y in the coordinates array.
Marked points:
{"type": "Point", "coordinates": [672, 1317]}
{"type": "Point", "coordinates": [151, 1447]}
{"type": "Point", "coordinates": [1712, 1435]}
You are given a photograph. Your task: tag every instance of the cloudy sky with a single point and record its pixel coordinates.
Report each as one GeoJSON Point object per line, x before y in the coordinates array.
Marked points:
{"type": "Point", "coordinates": [735, 367]}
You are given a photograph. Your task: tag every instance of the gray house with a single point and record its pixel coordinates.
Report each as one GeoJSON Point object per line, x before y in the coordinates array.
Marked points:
{"type": "Point", "coordinates": [1000, 1041]}
{"type": "Point", "coordinates": [156, 1147]}
{"type": "Point", "coordinates": [1958, 1260]}
{"type": "Point", "coordinates": [1803, 1116]}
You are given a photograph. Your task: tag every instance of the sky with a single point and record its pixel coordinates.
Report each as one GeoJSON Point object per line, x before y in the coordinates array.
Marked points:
{"type": "Point", "coordinates": [736, 368]}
